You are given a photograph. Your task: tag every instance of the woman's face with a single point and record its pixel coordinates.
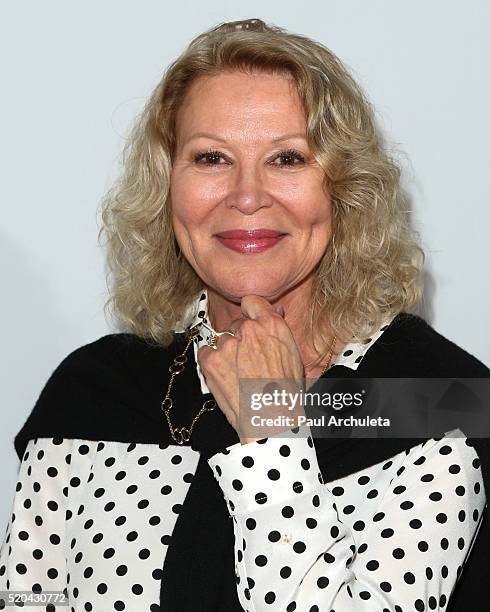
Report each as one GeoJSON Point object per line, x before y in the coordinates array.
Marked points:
{"type": "Point", "coordinates": [242, 163]}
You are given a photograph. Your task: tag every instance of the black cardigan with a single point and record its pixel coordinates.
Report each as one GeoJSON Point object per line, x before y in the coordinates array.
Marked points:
{"type": "Point", "coordinates": [114, 387]}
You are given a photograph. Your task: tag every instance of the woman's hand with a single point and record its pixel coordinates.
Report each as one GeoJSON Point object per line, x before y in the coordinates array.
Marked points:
{"type": "Point", "coordinates": [264, 347]}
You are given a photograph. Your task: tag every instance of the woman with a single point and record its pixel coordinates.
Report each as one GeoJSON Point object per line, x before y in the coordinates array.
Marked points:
{"type": "Point", "coordinates": [257, 200]}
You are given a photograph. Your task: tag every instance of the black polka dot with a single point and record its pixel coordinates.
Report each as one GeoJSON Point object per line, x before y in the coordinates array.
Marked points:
{"type": "Point", "coordinates": [299, 547]}
{"type": "Point", "coordinates": [260, 498]}
{"type": "Point", "coordinates": [274, 536]}
{"type": "Point", "coordinates": [247, 462]}
{"type": "Point", "coordinates": [285, 572]}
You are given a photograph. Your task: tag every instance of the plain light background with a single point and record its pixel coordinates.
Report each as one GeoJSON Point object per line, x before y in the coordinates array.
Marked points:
{"type": "Point", "coordinates": [73, 77]}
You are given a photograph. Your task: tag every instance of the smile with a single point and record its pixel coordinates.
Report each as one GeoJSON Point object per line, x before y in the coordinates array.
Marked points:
{"type": "Point", "coordinates": [248, 245]}
{"type": "Point", "coordinates": [249, 241]}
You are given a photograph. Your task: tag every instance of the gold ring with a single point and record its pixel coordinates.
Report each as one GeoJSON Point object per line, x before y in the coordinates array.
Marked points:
{"type": "Point", "coordinates": [230, 331]}
{"type": "Point", "coordinates": [212, 342]}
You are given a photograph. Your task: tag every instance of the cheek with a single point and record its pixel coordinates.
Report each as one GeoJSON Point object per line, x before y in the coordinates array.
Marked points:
{"type": "Point", "coordinates": [306, 191]}
{"type": "Point", "coordinates": [321, 202]}
{"type": "Point", "coordinates": [310, 204]}
{"type": "Point", "coordinates": [191, 201]}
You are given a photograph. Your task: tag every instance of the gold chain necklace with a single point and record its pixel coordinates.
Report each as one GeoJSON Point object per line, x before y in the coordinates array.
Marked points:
{"type": "Point", "coordinates": [183, 434]}
{"type": "Point", "coordinates": [330, 355]}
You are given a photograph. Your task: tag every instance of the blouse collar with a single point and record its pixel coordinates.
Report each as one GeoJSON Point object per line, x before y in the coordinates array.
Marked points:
{"type": "Point", "coordinates": [351, 355]}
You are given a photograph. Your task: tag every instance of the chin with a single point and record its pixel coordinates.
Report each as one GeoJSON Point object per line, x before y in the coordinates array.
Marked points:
{"type": "Point", "coordinates": [234, 289]}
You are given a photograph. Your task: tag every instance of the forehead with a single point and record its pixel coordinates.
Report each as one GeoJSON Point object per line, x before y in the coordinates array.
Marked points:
{"type": "Point", "coordinates": [238, 104]}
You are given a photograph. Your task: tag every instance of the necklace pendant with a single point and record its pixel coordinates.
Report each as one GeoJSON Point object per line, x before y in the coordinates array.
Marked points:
{"type": "Point", "coordinates": [181, 435]}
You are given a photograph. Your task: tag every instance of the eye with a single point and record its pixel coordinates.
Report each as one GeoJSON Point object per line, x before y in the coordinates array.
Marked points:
{"type": "Point", "coordinates": [291, 155]}
{"type": "Point", "coordinates": [209, 157]}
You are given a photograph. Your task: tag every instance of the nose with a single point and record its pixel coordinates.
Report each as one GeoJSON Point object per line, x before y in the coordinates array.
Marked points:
{"type": "Point", "coordinates": [248, 190]}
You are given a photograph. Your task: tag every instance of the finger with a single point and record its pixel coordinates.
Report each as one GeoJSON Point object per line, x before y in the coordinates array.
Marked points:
{"type": "Point", "coordinates": [202, 352]}
{"type": "Point", "coordinates": [235, 326]}
{"type": "Point", "coordinates": [254, 306]}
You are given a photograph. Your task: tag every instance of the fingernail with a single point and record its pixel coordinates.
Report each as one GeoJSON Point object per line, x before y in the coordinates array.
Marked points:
{"type": "Point", "coordinates": [280, 310]}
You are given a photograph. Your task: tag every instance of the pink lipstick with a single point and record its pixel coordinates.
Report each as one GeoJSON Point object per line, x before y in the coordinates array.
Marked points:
{"type": "Point", "coordinates": [249, 241]}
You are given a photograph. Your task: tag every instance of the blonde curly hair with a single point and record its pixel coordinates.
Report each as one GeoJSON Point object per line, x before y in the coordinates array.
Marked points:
{"type": "Point", "coordinates": [371, 269]}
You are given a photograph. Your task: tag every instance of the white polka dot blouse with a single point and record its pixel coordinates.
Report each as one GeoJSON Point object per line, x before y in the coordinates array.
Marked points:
{"type": "Point", "coordinates": [93, 519]}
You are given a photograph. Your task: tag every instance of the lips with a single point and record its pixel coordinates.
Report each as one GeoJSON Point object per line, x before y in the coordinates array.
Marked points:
{"type": "Point", "coordinates": [249, 241]}
{"type": "Point", "coordinates": [247, 234]}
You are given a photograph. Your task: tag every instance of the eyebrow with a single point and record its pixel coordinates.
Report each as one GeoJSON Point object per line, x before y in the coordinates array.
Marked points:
{"type": "Point", "coordinates": [215, 137]}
